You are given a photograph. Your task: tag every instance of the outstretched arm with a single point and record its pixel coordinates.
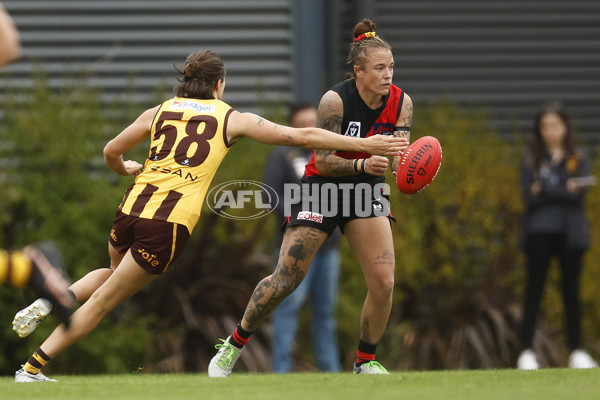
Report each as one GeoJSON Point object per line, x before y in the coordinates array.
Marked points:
{"type": "Point", "coordinates": [265, 131]}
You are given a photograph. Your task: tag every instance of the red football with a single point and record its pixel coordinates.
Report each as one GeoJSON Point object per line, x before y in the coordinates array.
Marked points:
{"type": "Point", "coordinates": [419, 164]}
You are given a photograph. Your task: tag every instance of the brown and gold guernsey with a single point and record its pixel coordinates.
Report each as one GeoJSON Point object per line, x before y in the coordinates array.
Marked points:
{"type": "Point", "coordinates": [187, 146]}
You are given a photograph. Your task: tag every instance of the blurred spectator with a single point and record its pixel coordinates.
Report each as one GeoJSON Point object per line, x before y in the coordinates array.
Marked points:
{"type": "Point", "coordinates": [286, 165]}
{"type": "Point", "coordinates": [554, 181]}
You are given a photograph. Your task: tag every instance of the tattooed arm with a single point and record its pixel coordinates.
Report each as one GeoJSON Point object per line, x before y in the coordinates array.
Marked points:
{"type": "Point", "coordinates": [403, 125]}
{"type": "Point", "coordinates": [330, 116]}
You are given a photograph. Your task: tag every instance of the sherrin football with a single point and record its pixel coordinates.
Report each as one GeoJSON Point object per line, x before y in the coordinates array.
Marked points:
{"type": "Point", "coordinates": [419, 164]}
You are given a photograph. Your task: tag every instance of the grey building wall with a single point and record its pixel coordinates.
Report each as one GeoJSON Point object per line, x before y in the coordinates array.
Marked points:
{"type": "Point", "coordinates": [120, 40]}
{"type": "Point", "coordinates": [510, 56]}
{"type": "Point", "coordinates": [507, 55]}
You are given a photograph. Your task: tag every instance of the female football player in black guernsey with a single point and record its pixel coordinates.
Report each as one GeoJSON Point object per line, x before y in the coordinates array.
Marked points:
{"type": "Point", "coordinates": [366, 105]}
{"type": "Point", "coordinates": [190, 135]}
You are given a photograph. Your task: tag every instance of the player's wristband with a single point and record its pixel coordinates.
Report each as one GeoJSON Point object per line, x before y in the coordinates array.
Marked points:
{"type": "Point", "coordinates": [364, 162]}
{"type": "Point", "coordinates": [402, 129]}
{"type": "Point", "coordinates": [355, 165]}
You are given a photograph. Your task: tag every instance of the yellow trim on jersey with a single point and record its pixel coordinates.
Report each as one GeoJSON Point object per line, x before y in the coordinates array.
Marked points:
{"type": "Point", "coordinates": [173, 247]}
{"type": "Point", "coordinates": [187, 146]}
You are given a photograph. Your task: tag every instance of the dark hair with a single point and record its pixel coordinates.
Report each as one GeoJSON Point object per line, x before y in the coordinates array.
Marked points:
{"type": "Point", "coordinates": [201, 72]}
{"type": "Point", "coordinates": [537, 146]}
{"type": "Point", "coordinates": [298, 106]}
{"type": "Point", "coordinates": [357, 54]}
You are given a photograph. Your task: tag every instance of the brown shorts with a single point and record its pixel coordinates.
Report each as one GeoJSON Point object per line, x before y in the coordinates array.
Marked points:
{"type": "Point", "coordinates": [154, 244]}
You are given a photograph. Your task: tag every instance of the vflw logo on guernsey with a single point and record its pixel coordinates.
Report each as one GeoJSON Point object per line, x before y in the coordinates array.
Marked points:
{"type": "Point", "coordinates": [353, 129]}
{"type": "Point", "coordinates": [310, 216]}
{"type": "Point", "coordinates": [192, 105]}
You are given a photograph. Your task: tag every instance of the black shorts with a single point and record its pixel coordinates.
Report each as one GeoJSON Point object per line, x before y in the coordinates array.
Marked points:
{"type": "Point", "coordinates": [154, 244]}
{"type": "Point", "coordinates": [326, 204]}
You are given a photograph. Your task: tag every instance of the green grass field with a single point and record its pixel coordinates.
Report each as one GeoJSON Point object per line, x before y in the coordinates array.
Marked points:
{"type": "Point", "coordinates": [509, 384]}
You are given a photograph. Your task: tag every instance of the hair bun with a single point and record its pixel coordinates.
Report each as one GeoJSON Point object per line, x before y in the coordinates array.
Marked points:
{"type": "Point", "coordinates": [192, 68]}
{"type": "Point", "coordinates": [364, 26]}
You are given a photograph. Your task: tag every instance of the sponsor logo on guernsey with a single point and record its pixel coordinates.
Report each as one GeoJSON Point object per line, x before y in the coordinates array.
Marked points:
{"type": "Point", "coordinates": [353, 129]}
{"type": "Point", "coordinates": [192, 105]}
{"type": "Point", "coordinates": [383, 129]}
{"type": "Point", "coordinates": [310, 216]}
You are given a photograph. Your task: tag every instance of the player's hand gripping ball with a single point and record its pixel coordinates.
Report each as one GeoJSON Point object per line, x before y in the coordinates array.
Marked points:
{"type": "Point", "coordinates": [419, 164]}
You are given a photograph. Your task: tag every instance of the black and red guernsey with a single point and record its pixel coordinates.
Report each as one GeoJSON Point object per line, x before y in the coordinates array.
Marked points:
{"type": "Point", "coordinates": [361, 121]}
